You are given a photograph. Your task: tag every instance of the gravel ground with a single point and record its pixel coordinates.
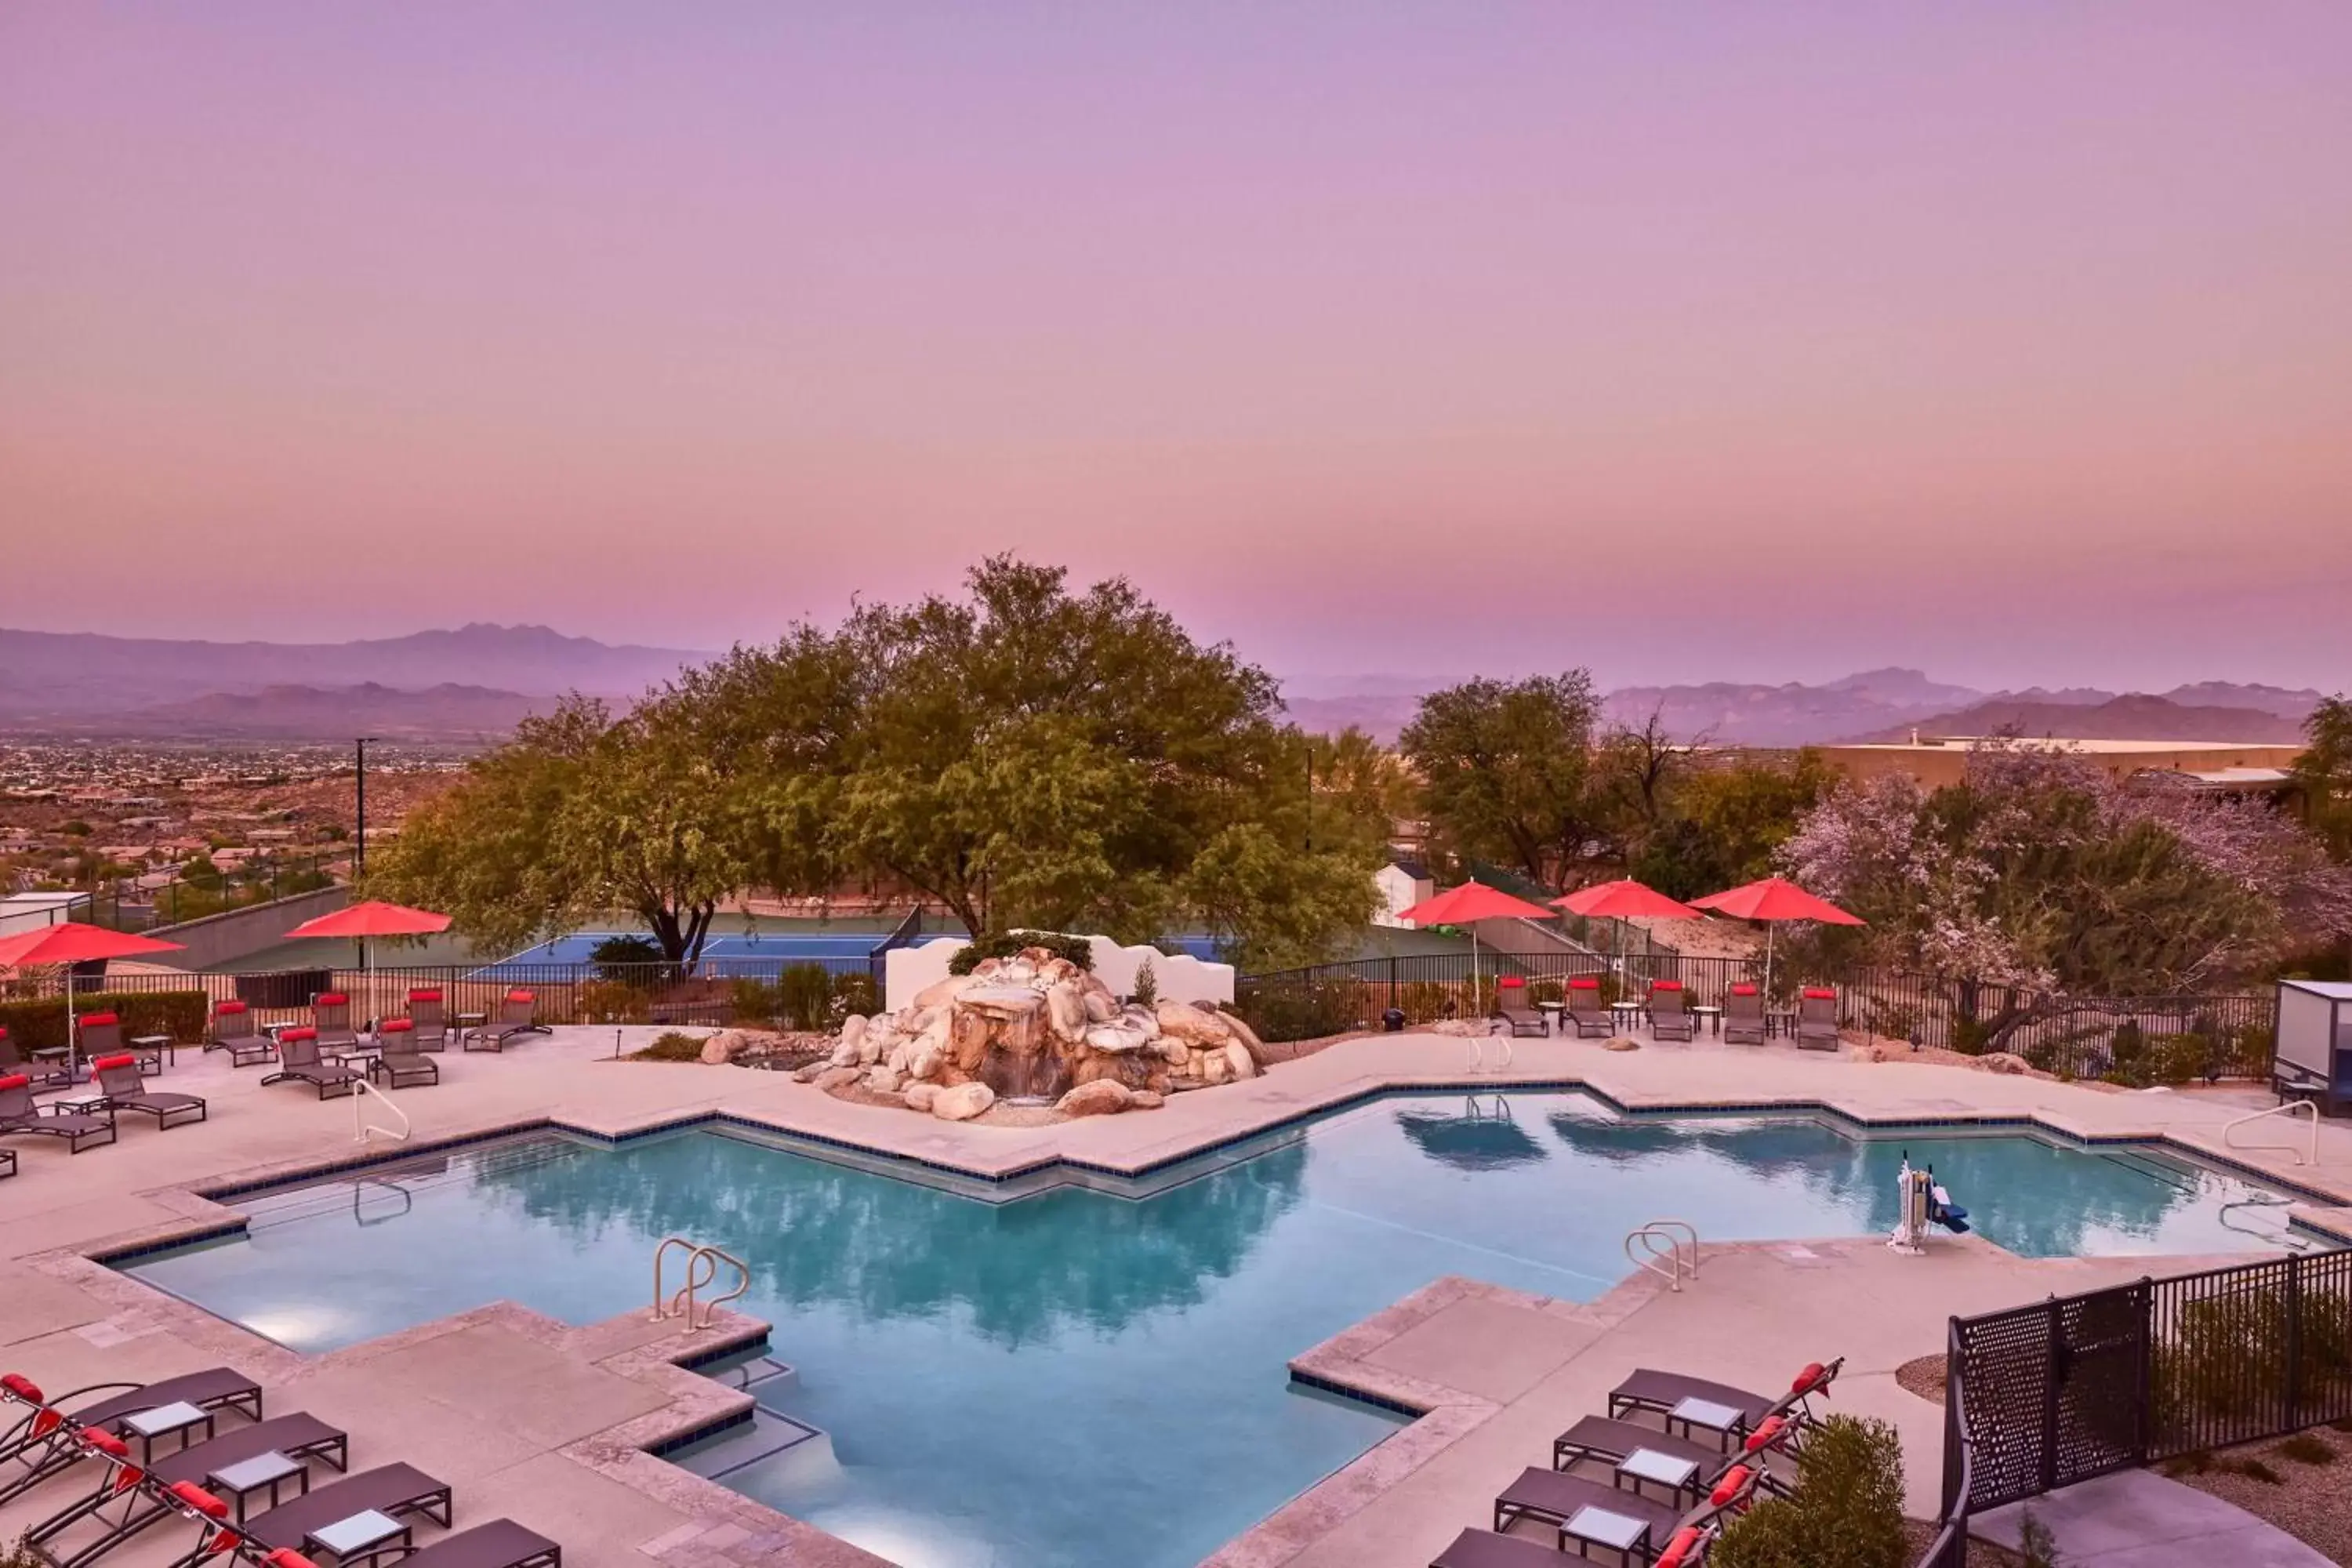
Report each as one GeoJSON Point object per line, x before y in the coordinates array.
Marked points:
{"type": "Point", "coordinates": [1923, 1376]}
{"type": "Point", "coordinates": [1982, 1553]}
{"type": "Point", "coordinates": [2311, 1502]}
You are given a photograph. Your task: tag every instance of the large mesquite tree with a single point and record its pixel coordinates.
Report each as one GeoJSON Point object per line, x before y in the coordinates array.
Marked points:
{"type": "Point", "coordinates": [2038, 870]}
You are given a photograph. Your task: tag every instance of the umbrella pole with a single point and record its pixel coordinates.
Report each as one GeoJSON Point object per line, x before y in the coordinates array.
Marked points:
{"type": "Point", "coordinates": [1771, 929]}
{"type": "Point", "coordinates": [73, 1038]}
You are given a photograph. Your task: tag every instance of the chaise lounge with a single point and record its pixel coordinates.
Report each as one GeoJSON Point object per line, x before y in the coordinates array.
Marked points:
{"type": "Point", "coordinates": [330, 1022]}
{"type": "Point", "coordinates": [1663, 1392]}
{"type": "Point", "coordinates": [431, 1023]}
{"type": "Point", "coordinates": [11, 1060]}
{"type": "Point", "coordinates": [18, 1114]}
{"type": "Point", "coordinates": [299, 1061]}
{"type": "Point", "coordinates": [1670, 1015]}
{"type": "Point", "coordinates": [1817, 1019]}
{"type": "Point", "coordinates": [398, 1058]}
{"type": "Point", "coordinates": [1743, 1015]}
{"type": "Point", "coordinates": [232, 1031]}
{"type": "Point", "coordinates": [1511, 1006]}
{"type": "Point", "coordinates": [391, 1490]}
{"type": "Point", "coordinates": [516, 1016]}
{"type": "Point", "coordinates": [135, 1505]}
{"type": "Point", "coordinates": [500, 1544]}
{"type": "Point", "coordinates": [1584, 1011]}
{"type": "Point", "coordinates": [1548, 1497]}
{"type": "Point", "coordinates": [119, 1088]}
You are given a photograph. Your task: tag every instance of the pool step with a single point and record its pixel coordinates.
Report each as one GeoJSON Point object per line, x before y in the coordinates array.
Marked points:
{"type": "Point", "coordinates": [768, 1436]}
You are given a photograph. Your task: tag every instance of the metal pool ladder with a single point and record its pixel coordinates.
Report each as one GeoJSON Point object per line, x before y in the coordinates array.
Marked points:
{"type": "Point", "coordinates": [2288, 1109]}
{"type": "Point", "coordinates": [1674, 1241]}
{"type": "Point", "coordinates": [361, 1128]}
{"type": "Point", "coordinates": [702, 1263]}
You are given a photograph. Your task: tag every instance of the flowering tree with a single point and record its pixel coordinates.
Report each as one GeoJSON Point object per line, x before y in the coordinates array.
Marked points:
{"type": "Point", "coordinates": [2039, 871]}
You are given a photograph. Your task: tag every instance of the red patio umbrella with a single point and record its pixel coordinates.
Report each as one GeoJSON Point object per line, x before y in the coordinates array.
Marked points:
{"type": "Point", "coordinates": [1621, 900]}
{"type": "Point", "coordinates": [372, 917]}
{"type": "Point", "coordinates": [1473, 902]}
{"type": "Point", "coordinates": [70, 943]}
{"type": "Point", "coordinates": [1772, 901]}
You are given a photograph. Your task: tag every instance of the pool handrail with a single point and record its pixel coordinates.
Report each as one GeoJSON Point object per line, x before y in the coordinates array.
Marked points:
{"type": "Point", "coordinates": [2286, 1109]}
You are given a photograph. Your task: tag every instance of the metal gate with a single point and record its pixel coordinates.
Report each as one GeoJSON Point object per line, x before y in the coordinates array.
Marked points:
{"type": "Point", "coordinates": [2054, 1394]}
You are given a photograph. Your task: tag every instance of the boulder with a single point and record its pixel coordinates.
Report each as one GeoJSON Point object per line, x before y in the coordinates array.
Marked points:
{"type": "Point", "coordinates": [939, 993]}
{"type": "Point", "coordinates": [718, 1050]}
{"type": "Point", "coordinates": [919, 1096]}
{"type": "Point", "coordinates": [1240, 1030]}
{"type": "Point", "coordinates": [852, 1030]}
{"type": "Point", "coordinates": [835, 1077]}
{"type": "Point", "coordinates": [962, 1102]}
{"type": "Point", "coordinates": [869, 1048]}
{"type": "Point", "coordinates": [1103, 1097]}
{"type": "Point", "coordinates": [1191, 1024]}
{"type": "Point", "coordinates": [1214, 1069]}
{"type": "Point", "coordinates": [810, 1073]}
{"type": "Point", "coordinates": [882, 1081]}
{"type": "Point", "coordinates": [1115, 1039]}
{"type": "Point", "coordinates": [845, 1055]}
{"type": "Point", "coordinates": [1620, 1044]}
{"type": "Point", "coordinates": [1176, 1052]}
{"type": "Point", "coordinates": [1065, 1010]}
{"type": "Point", "coordinates": [2004, 1062]}
{"type": "Point", "coordinates": [924, 1061]}
{"type": "Point", "coordinates": [895, 1059]}
{"type": "Point", "coordinates": [1145, 1099]}
{"type": "Point", "coordinates": [1238, 1060]}
{"type": "Point", "coordinates": [1102, 1005]}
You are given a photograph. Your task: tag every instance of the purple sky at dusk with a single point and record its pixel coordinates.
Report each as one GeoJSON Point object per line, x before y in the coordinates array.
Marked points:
{"type": "Point", "coordinates": [1743, 342]}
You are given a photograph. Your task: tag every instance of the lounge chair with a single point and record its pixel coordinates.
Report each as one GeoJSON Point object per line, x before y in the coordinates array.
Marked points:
{"type": "Point", "coordinates": [398, 1058]}
{"type": "Point", "coordinates": [1511, 1006]}
{"type": "Point", "coordinates": [432, 1024]}
{"type": "Point", "coordinates": [1548, 1497]}
{"type": "Point", "coordinates": [101, 1035]}
{"type": "Point", "coordinates": [19, 1114]}
{"type": "Point", "coordinates": [11, 1060]}
{"type": "Point", "coordinates": [331, 1019]}
{"type": "Point", "coordinates": [1817, 1019]}
{"type": "Point", "coordinates": [393, 1489]}
{"type": "Point", "coordinates": [1591, 1020]}
{"type": "Point", "coordinates": [1660, 1392]}
{"type": "Point", "coordinates": [1670, 1015]}
{"type": "Point", "coordinates": [299, 1061]}
{"type": "Point", "coordinates": [1743, 1015]}
{"type": "Point", "coordinates": [8, 1163]}
{"type": "Point", "coordinates": [1605, 1441]}
{"type": "Point", "coordinates": [1481, 1549]}
{"type": "Point", "coordinates": [515, 1016]}
{"type": "Point", "coordinates": [500, 1544]}
{"type": "Point", "coordinates": [41, 1443]}
{"type": "Point", "coordinates": [119, 1085]}
{"type": "Point", "coordinates": [232, 1031]}
{"type": "Point", "coordinates": [123, 1506]}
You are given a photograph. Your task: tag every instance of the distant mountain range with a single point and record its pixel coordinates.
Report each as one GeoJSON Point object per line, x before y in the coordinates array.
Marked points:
{"type": "Point", "coordinates": [445, 712]}
{"type": "Point", "coordinates": [71, 681]}
{"type": "Point", "coordinates": [1882, 705]}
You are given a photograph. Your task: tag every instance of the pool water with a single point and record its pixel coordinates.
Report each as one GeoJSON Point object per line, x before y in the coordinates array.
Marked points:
{"type": "Point", "coordinates": [1082, 1377]}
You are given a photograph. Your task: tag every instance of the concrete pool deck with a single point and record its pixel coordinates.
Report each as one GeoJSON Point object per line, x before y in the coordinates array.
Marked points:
{"type": "Point", "coordinates": [1503, 1373]}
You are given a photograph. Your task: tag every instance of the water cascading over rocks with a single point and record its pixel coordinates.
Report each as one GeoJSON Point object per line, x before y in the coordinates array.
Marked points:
{"type": "Point", "coordinates": [1037, 1027]}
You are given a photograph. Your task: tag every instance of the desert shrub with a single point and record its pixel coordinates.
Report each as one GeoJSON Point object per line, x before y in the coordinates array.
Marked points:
{"type": "Point", "coordinates": [853, 993]}
{"type": "Point", "coordinates": [1547, 991]}
{"type": "Point", "coordinates": [1300, 1009]}
{"type": "Point", "coordinates": [1969, 1035]}
{"type": "Point", "coordinates": [1846, 1510]}
{"type": "Point", "coordinates": [2225, 1363]}
{"type": "Point", "coordinates": [36, 1025]}
{"type": "Point", "coordinates": [754, 1001]}
{"type": "Point", "coordinates": [2247, 1052]}
{"type": "Point", "coordinates": [1004, 944]}
{"type": "Point", "coordinates": [2179, 1058]}
{"type": "Point", "coordinates": [614, 1001]}
{"type": "Point", "coordinates": [1147, 985]}
{"type": "Point", "coordinates": [672, 1046]}
{"type": "Point", "coordinates": [2128, 1046]}
{"type": "Point", "coordinates": [2306, 1449]}
{"type": "Point", "coordinates": [804, 996]}
{"type": "Point", "coordinates": [627, 960]}
{"type": "Point", "coordinates": [2037, 1542]}
{"type": "Point", "coordinates": [1423, 1001]}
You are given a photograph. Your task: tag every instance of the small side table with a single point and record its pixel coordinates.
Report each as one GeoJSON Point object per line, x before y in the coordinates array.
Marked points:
{"type": "Point", "coordinates": [165, 1420]}
{"type": "Point", "coordinates": [85, 1105]}
{"type": "Point", "coordinates": [270, 1471]}
{"type": "Point", "coordinates": [1625, 1015]}
{"type": "Point", "coordinates": [153, 1050]}
{"type": "Point", "coordinates": [1551, 1016]}
{"type": "Point", "coordinates": [468, 1022]}
{"type": "Point", "coordinates": [1677, 1476]}
{"type": "Point", "coordinates": [1713, 1017]}
{"type": "Point", "coordinates": [1724, 1421]}
{"type": "Point", "coordinates": [361, 1534]}
{"type": "Point", "coordinates": [1622, 1533]}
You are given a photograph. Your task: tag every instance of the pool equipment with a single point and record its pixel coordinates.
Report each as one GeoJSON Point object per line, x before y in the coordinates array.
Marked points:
{"type": "Point", "coordinates": [1920, 1202]}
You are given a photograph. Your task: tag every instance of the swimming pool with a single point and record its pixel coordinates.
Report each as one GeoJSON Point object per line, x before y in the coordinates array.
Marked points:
{"type": "Point", "coordinates": [991, 1372]}
{"type": "Point", "coordinates": [743, 953]}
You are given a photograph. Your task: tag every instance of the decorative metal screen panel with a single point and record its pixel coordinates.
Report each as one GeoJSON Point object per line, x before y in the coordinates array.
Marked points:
{"type": "Point", "coordinates": [2054, 1393]}
{"type": "Point", "coordinates": [2004, 1371]}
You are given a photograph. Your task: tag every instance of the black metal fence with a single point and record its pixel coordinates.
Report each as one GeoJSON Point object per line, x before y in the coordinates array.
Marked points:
{"type": "Point", "coordinates": [259, 881]}
{"type": "Point", "coordinates": [2043, 1396]}
{"type": "Point", "coordinates": [2142, 1040]}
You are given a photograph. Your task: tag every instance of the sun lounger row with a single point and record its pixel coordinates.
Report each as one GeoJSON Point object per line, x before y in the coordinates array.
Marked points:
{"type": "Point", "coordinates": [1704, 1481]}
{"type": "Point", "coordinates": [1670, 1015]}
{"type": "Point", "coordinates": [357, 1517]}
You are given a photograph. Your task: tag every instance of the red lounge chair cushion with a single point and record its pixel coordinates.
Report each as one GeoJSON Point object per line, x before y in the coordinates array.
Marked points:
{"type": "Point", "coordinates": [108, 1064]}
{"type": "Point", "coordinates": [98, 1020]}
{"type": "Point", "coordinates": [106, 1443]}
{"type": "Point", "coordinates": [15, 1081]}
{"type": "Point", "coordinates": [521, 996]}
{"type": "Point", "coordinates": [1812, 1377]}
{"type": "Point", "coordinates": [1512, 983]}
{"type": "Point", "coordinates": [330, 999]}
{"type": "Point", "coordinates": [424, 996]}
{"type": "Point", "coordinates": [396, 1026]}
{"type": "Point", "coordinates": [1766, 1435]}
{"type": "Point", "coordinates": [1678, 1551]}
{"type": "Point", "coordinates": [1584, 983]}
{"type": "Point", "coordinates": [16, 1383]}
{"type": "Point", "coordinates": [286, 1557]}
{"type": "Point", "coordinates": [1665, 985]}
{"type": "Point", "coordinates": [1743, 990]}
{"type": "Point", "coordinates": [230, 1008]}
{"type": "Point", "coordinates": [1821, 992]}
{"type": "Point", "coordinates": [304, 1033]}
{"type": "Point", "coordinates": [1734, 1482]}
{"type": "Point", "coordinates": [199, 1499]}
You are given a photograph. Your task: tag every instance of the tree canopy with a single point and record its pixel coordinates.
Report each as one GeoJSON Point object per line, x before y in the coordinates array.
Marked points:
{"type": "Point", "coordinates": [1506, 770]}
{"type": "Point", "coordinates": [2324, 774]}
{"type": "Point", "coordinates": [1023, 754]}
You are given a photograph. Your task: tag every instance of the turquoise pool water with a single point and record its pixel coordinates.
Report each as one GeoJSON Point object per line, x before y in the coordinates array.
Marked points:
{"type": "Point", "coordinates": [1007, 1383]}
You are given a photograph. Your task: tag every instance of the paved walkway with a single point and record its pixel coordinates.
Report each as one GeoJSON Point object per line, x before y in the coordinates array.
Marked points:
{"type": "Point", "coordinates": [1505, 1373]}
{"type": "Point", "coordinates": [2137, 1518]}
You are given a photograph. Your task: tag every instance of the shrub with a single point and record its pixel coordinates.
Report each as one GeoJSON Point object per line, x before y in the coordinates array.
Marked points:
{"type": "Point", "coordinates": [36, 1025]}
{"type": "Point", "coordinates": [1300, 1009]}
{"type": "Point", "coordinates": [615, 1002]}
{"type": "Point", "coordinates": [2306, 1449]}
{"type": "Point", "coordinates": [1846, 1510]}
{"type": "Point", "coordinates": [804, 996]}
{"type": "Point", "coordinates": [755, 1001]}
{"type": "Point", "coordinates": [2225, 1364]}
{"type": "Point", "coordinates": [853, 993]}
{"type": "Point", "coordinates": [2037, 1542]}
{"type": "Point", "coordinates": [671, 1046]}
{"type": "Point", "coordinates": [627, 960]}
{"type": "Point", "coordinates": [1146, 985]}
{"type": "Point", "coordinates": [1004, 944]}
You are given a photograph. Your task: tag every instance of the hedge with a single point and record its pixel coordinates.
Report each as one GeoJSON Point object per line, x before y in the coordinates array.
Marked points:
{"type": "Point", "coordinates": [36, 1025]}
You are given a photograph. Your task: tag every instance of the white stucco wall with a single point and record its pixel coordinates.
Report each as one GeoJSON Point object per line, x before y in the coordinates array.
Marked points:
{"type": "Point", "coordinates": [1399, 891]}
{"type": "Point", "coordinates": [1183, 978]}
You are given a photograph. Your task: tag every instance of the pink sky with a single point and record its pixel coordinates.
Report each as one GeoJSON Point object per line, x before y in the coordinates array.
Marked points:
{"type": "Point", "coordinates": [1738, 341]}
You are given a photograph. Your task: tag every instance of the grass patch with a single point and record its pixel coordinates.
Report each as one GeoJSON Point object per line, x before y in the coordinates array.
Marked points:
{"type": "Point", "coordinates": [2306, 1449]}
{"type": "Point", "coordinates": [672, 1046]}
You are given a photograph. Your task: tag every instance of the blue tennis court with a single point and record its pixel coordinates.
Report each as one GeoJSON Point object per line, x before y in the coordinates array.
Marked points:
{"type": "Point", "coordinates": [757, 953]}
